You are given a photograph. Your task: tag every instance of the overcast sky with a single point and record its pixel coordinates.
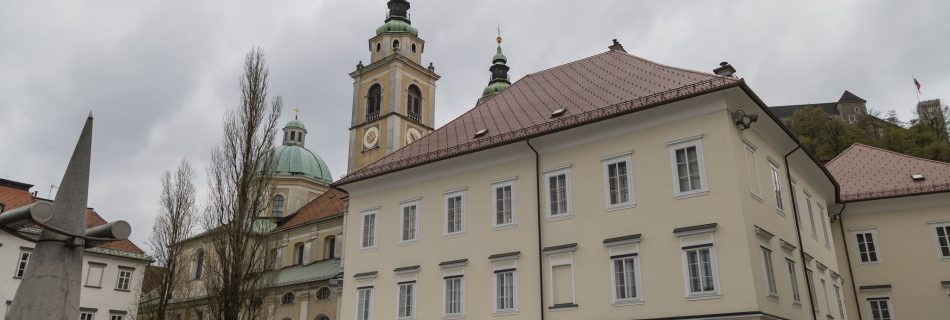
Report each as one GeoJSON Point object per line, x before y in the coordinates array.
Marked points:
{"type": "Point", "coordinates": [158, 75]}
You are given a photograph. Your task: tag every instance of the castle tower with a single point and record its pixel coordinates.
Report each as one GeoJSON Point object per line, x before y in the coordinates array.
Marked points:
{"type": "Point", "coordinates": [499, 73]}
{"type": "Point", "coordinates": [393, 96]}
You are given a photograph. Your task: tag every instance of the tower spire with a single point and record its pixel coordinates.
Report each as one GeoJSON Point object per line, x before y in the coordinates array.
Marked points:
{"type": "Point", "coordinates": [499, 72]}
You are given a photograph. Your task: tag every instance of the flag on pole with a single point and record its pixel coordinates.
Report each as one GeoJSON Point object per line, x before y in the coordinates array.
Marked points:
{"type": "Point", "coordinates": [917, 84]}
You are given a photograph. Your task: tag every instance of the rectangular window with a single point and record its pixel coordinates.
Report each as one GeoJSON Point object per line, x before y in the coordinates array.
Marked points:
{"type": "Point", "coordinates": [124, 281]}
{"type": "Point", "coordinates": [87, 315]}
{"type": "Point", "coordinates": [867, 248]}
{"type": "Point", "coordinates": [701, 270]}
{"type": "Point", "coordinates": [769, 272]}
{"type": "Point", "coordinates": [407, 300]}
{"type": "Point", "coordinates": [793, 278]}
{"type": "Point", "coordinates": [776, 186]}
{"type": "Point", "coordinates": [94, 275]}
{"type": "Point", "coordinates": [811, 216]}
{"type": "Point", "coordinates": [752, 169]}
{"type": "Point", "coordinates": [688, 169]}
{"type": "Point", "coordinates": [618, 182]}
{"type": "Point", "coordinates": [794, 193]}
{"type": "Point", "coordinates": [505, 291]}
{"type": "Point", "coordinates": [824, 292]}
{"type": "Point", "coordinates": [410, 222]}
{"type": "Point", "coordinates": [116, 317]}
{"type": "Point", "coordinates": [811, 290]}
{"type": "Point", "coordinates": [838, 300]}
{"type": "Point", "coordinates": [624, 269]}
{"type": "Point", "coordinates": [943, 240]}
{"type": "Point", "coordinates": [453, 296]}
{"type": "Point", "coordinates": [559, 193]}
{"type": "Point", "coordinates": [880, 308]}
{"type": "Point", "coordinates": [562, 284]}
{"type": "Point", "coordinates": [369, 230]}
{"type": "Point", "coordinates": [22, 263]}
{"type": "Point", "coordinates": [454, 213]}
{"type": "Point", "coordinates": [364, 301]}
{"type": "Point", "coordinates": [824, 225]}
{"type": "Point", "coordinates": [503, 205]}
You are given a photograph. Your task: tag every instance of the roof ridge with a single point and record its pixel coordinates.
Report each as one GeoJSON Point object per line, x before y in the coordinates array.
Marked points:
{"type": "Point", "coordinates": [567, 63]}
{"type": "Point", "coordinates": [702, 73]}
{"type": "Point", "coordinates": [901, 154]}
{"type": "Point", "coordinates": [842, 152]}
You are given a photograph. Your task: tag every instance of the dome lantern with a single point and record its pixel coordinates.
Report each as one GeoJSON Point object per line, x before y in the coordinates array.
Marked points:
{"type": "Point", "coordinates": [295, 132]}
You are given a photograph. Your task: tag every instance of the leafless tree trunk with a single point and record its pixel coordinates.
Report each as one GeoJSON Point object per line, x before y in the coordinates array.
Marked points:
{"type": "Point", "coordinates": [235, 269]}
{"type": "Point", "coordinates": [174, 223]}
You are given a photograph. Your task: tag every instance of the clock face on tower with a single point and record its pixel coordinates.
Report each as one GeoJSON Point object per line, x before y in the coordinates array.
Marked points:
{"type": "Point", "coordinates": [412, 134]}
{"type": "Point", "coordinates": [370, 137]}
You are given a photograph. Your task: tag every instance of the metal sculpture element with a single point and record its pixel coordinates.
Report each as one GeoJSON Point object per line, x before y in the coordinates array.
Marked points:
{"type": "Point", "coordinates": [51, 285]}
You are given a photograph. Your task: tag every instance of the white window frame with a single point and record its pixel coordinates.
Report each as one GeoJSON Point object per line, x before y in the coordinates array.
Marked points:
{"type": "Point", "coordinates": [445, 213]}
{"type": "Point", "coordinates": [890, 306]}
{"type": "Point", "coordinates": [514, 287]}
{"type": "Point", "coordinates": [411, 300]}
{"type": "Point", "coordinates": [558, 260]}
{"type": "Point", "coordinates": [793, 282]}
{"type": "Point", "coordinates": [793, 193]}
{"type": "Point", "coordinates": [627, 160]}
{"type": "Point", "coordinates": [23, 262]}
{"type": "Point", "coordinates": [369, 303]}
{"type": "Point", "coordinates": [128, 279]}
{"type": "Point", "coordinates": [704, 183]}
{"type": "Point", "coordinates": [752, 169]}
{"type": "Point", "coordinates": [838, 300]}
{"type": "Point", "coordinates": [824, 290]}
{"type": "Point", "coordinates": [494, 205]}
{"type": "Point", "coordinates": [946, 227]}
{"type": "Point", "coordinates": [87, 315]}
{"type": "Point", "coordinates": [445, 296]}
{"type": "Point", "coordinates": [375, 229]}
{"type": "Point", "coordinates": [713, 266]}
{"type": "Point", "coordinates": [116, 316]}
{"type": "Point", "coordinates": [777, 186]}
{"type": "Point", "coordinates": [769, 267]}
{"type": "Point", "coordinates": [811, 215]}
{"type": "Point", "coordinates": [92, 268]}
{"type": "Point", "coordinates": [874, 241]}
{"type": "Point", "coordinates": [568, 213]}
{"type": "Point", "coordinates": [402, 222]}
{"type": "Point", "coordinates": [636, 279]}
{"type": "Point", "coordinates": [824, 224]}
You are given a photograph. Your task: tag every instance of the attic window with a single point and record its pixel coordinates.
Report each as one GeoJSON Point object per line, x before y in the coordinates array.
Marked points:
{"type": "Point", "coordinates": [481, 132]}
{"type": "Point", "coordinates": [917, 177]}
{"type": "Point", "coordinates": [558, 112]}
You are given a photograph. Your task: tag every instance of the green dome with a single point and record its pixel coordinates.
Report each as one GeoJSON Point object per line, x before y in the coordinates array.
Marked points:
{"type": "Point", "coordinates": [499, 57]}
{"type": "Point", "coordinates": [293, 160]}
{"type": "Point", "coordinates": [494, 88]}
{"type": "Point", "coordinates": [396, 25]}
{"type": "Point", "coordinates": [295, 124]}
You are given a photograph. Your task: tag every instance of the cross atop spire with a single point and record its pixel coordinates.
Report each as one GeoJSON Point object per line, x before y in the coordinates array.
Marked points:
{"type": "Point", "coordinates": [498, 40]}
{"type": "Point", "coordinates": [296, 112]}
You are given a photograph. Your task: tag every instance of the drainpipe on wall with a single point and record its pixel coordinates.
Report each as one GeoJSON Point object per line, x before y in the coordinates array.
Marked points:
{"type": "Point", "coordinates": [847, 255]}
{"type": "Point", "coordinates": [537, 182]}
{"type": "Point", "coordinates": [798, 233]}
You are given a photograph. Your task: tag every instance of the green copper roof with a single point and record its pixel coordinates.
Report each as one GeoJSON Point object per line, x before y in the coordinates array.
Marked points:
{"type": "Point", "coordinates": [397, 25]}
{"type": "Point", "coordinates": [314, 271]}
{"type": "Point", "coordinates": [293, 160]}
{"type": "Point", "coordinates": [499, 57]}
{"type": "Point", "coordinates": [295, 124]}
{"type": "Point", "coordinates": [494, 88]}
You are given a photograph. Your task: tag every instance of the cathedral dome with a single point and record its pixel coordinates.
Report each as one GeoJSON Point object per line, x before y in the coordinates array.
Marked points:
{"type": "Point", "coordinates": [295, 124]}
{"type": "Point", "coordinates": [396, 25]}
{"type": "Point", "coordinates": [293, 160]}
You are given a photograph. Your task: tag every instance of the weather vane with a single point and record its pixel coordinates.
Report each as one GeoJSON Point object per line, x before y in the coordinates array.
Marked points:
{"type": "Point", "coordinates": [499, 35]}
{"type": "Point", "coordinates": [296, 112]}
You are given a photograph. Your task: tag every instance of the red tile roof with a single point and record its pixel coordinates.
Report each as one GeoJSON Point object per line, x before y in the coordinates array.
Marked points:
{"type": "Point", "coordinates": [591, 89]}
{"type": "Point", "coordinates": [866, 173]}
{"type": "Point", "coordinates": [153, 278]}
{"type": "Point", "coordinates": [327, 205]}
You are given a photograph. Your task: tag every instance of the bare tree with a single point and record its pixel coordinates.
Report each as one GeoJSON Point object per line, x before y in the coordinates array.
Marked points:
{"type": "Point", "coordinates": [235, 269]}
{"type": "Point", "coordinates": [174, 224]}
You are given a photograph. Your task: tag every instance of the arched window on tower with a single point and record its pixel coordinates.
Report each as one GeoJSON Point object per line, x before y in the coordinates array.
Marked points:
{"type": "Point", "coordinates": [414, 103]}
{"type": "Point", "coordinates": [277, 206]}
{"type": "Point", "coordinates": [373, 100]}
{"type": "Point", "coordinates": [329, 250]}
{"type": "Point", "coordinates": [298, 253]}
{"type": "Point", "coordinates": [395, 45]}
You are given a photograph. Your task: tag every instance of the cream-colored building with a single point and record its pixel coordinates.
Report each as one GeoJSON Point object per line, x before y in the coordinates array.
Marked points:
{"type": "Point", "coordinates": [302, 226]}
{"type": "Point", "coordinates": [653, 204]}
{"type": "Point", "coordinates": [112, 273]}
{"type": "Point", "coordinates": [893, 234]}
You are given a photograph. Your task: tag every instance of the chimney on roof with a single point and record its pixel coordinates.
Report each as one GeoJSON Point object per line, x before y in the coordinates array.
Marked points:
{"type": "Point", "coordinates": [725, 69]}
{"type": "Point", "coordinates": [617, 46]}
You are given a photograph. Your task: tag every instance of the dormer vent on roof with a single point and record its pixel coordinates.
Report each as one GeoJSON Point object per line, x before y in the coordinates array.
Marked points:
{"type": "Point", "coordinates": [558, 112]}
{"type": "Point", "coordinates": [481, 132]}
{"type": "Point", "coordinates": [918, 177]}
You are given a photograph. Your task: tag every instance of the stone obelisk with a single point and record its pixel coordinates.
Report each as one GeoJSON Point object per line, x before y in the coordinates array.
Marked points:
{"type": "Point", "coordinates": [50, 287]}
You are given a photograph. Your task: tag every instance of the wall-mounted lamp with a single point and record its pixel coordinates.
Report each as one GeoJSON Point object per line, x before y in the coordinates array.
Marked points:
{"type": "Point", "coordinates": [743, 120]}
{"type": "Point", "coordinates": [834, 217]}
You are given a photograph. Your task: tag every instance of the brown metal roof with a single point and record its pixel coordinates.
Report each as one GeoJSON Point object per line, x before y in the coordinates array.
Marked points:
{"type": "Point", "coordinates": [866, 173]}
{"type": "Point", "coordinates": [591, 89]}
{"type": "Point", "coordinates": [327, 205]}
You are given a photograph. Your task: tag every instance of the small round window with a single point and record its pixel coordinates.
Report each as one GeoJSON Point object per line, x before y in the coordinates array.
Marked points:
{"type": "Point", "coordinates": [413, 48]}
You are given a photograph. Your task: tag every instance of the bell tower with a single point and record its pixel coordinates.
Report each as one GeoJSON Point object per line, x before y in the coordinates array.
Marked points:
{"type": "Point", "coordinates": [394, 95]}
